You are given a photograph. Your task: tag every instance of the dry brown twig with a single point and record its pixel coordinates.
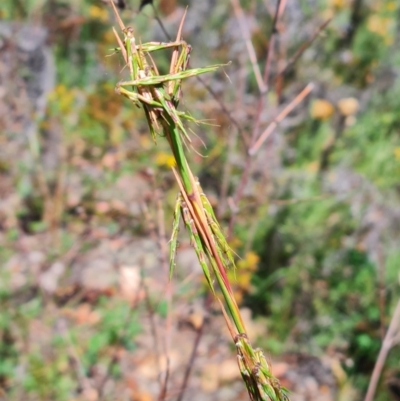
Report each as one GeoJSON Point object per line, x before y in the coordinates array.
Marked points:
{"type": "Point", "coordinates": [193, 355]}
{"type": "Point", "coordinates": [256, 143]}
{"type": "Point", "coordinates": [302, 49]}
{"type": "Point", "coordinates": [391, 339]}
{"type": "Point", "coordinates": [168, 293]}
{"type": "Point", "coordinates": [280, 117]}
{"type": "Point", "coordinates": [249, 45]}
{"type": "Point", "coordinates": [234, 201]}
{"type": "Point", "coordinates": [280, 7]}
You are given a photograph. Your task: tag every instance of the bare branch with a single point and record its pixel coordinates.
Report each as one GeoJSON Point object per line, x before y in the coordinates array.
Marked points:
{"type": "Point", "coordinates": [271, 127]}
{"type": "Point", "coordinates": [388, 342]}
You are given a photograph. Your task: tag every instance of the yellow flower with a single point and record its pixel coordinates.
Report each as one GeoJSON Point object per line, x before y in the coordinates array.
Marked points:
{"type": "Point", "coordinates": [99, 13]}
{"type": "Point", "coordinates": [321, 109]}
{"type": "Point", "coordinates": [63, 97]}
{"type": "Point", "coordinates": [243, 280]}
{"type": "Point", "coordinates": [396, 152]}
{"type": "Point", "coordinates": [109, 37]}
{"type": "Point", "coordinates": [249, 262]}
{"type": "Point", "coordinates": [381, 26]}
{"type": "Point", "coordinates": [348, 106]}
{"type": "Point", "coordinates": [164, 159]}
{"type": "Point", "coordinates": [338, 4]}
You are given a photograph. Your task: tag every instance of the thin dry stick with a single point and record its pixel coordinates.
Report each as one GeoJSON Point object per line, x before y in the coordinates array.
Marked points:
{"type": "Point", "coordinates": [260, 105]}
{"type": "Point", "coordinates": [74, 355]}
{"type": "Point", "coordinates": [168, 292]}
{"type": "Point", "coordinates": [249, 45]}
{"type": "Point", "coordinates": [189, 366]}
{"type": "Point", "coordinates": [283, 114]}
{"type": "Point", "coordinates": [149, 221]}
{"type": "Point", "coordinates": [154, 333]}
{"type": "Point", "coordinates": [162, 236]}
{"type": "Point", "coordinates": [164, 387]}
{"type": "Point", "coordinates": [226, 111]}
{"type": "Point", "coordinates": [302, 48]}
{"type": "Point", "coordinates": [239, 192]}
{"type": "Point", "coordinates": [381, 289]}
{"type": "Point", "coordinates": [281, 46]}
{"type": "Point", "coordinates": [392, 338]}
{"type": "Point", "coordinates": [280, 7]}
{"type": "Point", "coordinates": [240, 88]}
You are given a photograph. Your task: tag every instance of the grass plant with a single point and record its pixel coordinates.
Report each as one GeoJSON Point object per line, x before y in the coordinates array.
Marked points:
{"type": "Point", "coordinates": [159, 97]}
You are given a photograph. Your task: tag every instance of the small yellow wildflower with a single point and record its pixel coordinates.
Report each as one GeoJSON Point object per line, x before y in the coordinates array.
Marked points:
{"type": "Point", "coordinates": [164, 159]}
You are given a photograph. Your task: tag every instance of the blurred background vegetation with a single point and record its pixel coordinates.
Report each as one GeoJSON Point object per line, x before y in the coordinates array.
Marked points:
{"type": "Point", "coordinates": [86, 199]}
